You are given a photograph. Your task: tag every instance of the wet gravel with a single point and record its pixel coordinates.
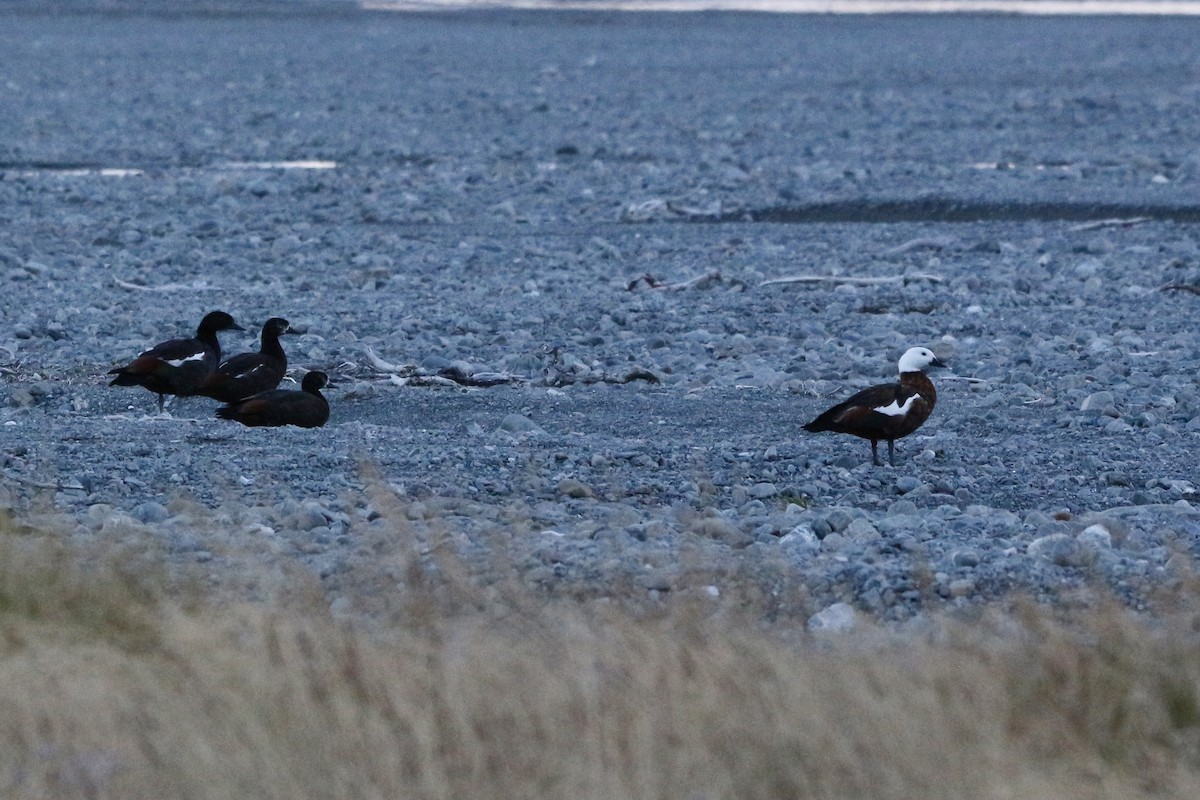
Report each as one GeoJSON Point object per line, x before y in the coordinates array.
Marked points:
{"type": "Point", "coordinates": [555, 204]}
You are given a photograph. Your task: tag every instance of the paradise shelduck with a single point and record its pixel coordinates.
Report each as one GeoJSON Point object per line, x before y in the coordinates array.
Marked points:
{"type": "Point", "coordinates": [306, 408]}
{"type": "Point", "coordinates": [890, 411]}
{"type": "Point", "coordinates": [248, 374]}
{"type": "Point", "coordinates": [179, 366]}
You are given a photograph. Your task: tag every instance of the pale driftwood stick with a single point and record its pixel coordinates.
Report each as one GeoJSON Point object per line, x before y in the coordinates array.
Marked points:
{"type": "Point", "coordinates": [922, 243]}
{"type": "Point", "coordinates": [166, 287]}
{"type": "Point", "coordinates": [379, 365]}
{"type": "Point", "coordinates": [415, 376]}
{"type": "Point", "coordinates": [714, 210]}
{"type": "Point", "coordinates": [699, 280]}
{"type": "Point", "coordinates": [691, 283]}
{"type": "Point", "coordinates": [961, 378]}
{"type": "Point", "coordinates": [1108, 223]}
{"type": "Point", "coordinates": [853, 281]}
{"type": "Point", "coordinates": [410, 374]}
{"type": "Point", "coordinates": [566, 379]}
{"type": "Point", "coordinates": [41, 484]}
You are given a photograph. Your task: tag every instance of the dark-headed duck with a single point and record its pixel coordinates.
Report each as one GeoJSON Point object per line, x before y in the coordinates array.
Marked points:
{"type": "Point", "coordinates": [248, 374]}
{"type": "Point", "coordinates": [179, 366]}
{"type": "Point", "coordinates": [306, 408]}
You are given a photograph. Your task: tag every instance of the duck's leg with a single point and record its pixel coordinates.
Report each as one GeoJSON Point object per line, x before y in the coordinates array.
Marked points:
{"type": "Point", "coordinates": [875, 453]}
{"type": "Point", "coordinates": [892, 451]}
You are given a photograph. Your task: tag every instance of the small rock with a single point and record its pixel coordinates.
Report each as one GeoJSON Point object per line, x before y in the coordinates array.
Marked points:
{"type": "Point", "coordinates": [1096, 537]}
{"type": "Point", "coordinates": [961, 587]}
{"type": "Point", "coordinates": [1099, 401]}
{"type": "Point", "coordinates": [862, 530]}
{"type": "Point", "coordinates": [574, 488]}
{"type": "Point", "coordinates": [762, 491]}
{"type": "Point", "coordinates": [722, 530]}
{"type": "Point", "coordinates": [965, 557]}
{"type": "Point", "coordinates": [21, 397]}
{"type": "Point", "coordinates": [800, 536]}
{"type": "Point", "coordinates": [659, 580]}
{"type": "Point", "coordinates": [838, 519]}
{"type": "Point", "coordinates": [98, 512]}
{"type": "Point", "coordinates": [1116, 479]}
{"type": "Point", "coordinates": [150, 512]}
{"type": "Point", "coordinates": [846, 462]}
{"type": "Point", "coordinates": [1062, 550]}
{"type": "Point", "coordinates": [515, 423]}
{"type": "Point", "coordinates": [1117, 426]}
{"type": "Point", "coordinates": [309, 518]}
{"type": "Point", "coordinates": [834, 542]}
{"type": "Point", "coordinates": [837, 618]}
{"type": "Point", "coordinates": [906, 484]}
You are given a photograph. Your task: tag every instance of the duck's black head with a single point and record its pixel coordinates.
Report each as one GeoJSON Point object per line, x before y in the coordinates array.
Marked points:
{"type": "Point", "coordinates": [217, 321]}
{"type": "Point", "coordinates": [314, 382]}
{"type": "Point", "coordinates": [276, 326]}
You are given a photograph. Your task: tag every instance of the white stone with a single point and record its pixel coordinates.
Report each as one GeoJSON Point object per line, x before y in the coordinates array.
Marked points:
{"type": "Point", "coordinates": [1096, 537]}
{"type": "Point", "coordinates": [837, 618]}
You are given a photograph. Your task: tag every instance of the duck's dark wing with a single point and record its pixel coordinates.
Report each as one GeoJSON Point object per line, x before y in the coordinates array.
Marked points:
{"type": "Point", "coordinates": [860, 405]}
{"type": "Point", "coordinates": [240, 365]}
{"type": "Point", "coordinates": [178, 356]}
{"type": "Point", "coordinates": [243, 376]}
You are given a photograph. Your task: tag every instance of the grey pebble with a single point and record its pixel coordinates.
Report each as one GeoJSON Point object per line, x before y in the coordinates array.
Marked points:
{"type": "Point", "coordinates": [800, 536]}
{"type": "Point", "coordinates": [861, 530]}
{"type": "Point", "coordinates": [834, 542]}
{"type": "Point", "coordinates": [762, 491]}
{"type": "Point", "coordinates": [150, 512]}
{"type": "Point", "coordinates": [1061, 549]}
{"type": "Point", "coordinates": [835, 618]}
{"type": "Point", "coordinates": [516, 423]}
{"type": "Point", "coordinates": [1096, 537]}
{"type": "Point", "coordinates": [965, 557]}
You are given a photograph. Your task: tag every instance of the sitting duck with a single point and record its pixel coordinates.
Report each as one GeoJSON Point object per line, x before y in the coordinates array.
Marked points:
{"type": "Point", "coordinates": [306, 408]}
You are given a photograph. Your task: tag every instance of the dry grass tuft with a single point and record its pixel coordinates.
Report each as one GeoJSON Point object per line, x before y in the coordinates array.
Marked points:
{"type": "Point", "coordinates": [110, 689]}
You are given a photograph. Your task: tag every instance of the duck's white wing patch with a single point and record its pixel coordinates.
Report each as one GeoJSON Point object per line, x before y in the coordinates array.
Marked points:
{"type": "Point", "coordinates": [247, 372]}
{"type": "Point", "coordinates": [895, 409]}
{"type": "Point", "coordinates": [179, 362]}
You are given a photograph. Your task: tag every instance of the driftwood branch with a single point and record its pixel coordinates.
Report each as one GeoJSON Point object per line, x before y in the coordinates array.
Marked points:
{"type": "Point", "coordinates": [553, 377]}
{"type": "Point", "coordinates": [699, 282]}
{"type": "Point", "coordinates": [570, 379]}
{"type": "Point", "coordinates": [921, 243]}
{"type": "Point", "coordinates": [166, 287]}
{"type": "Point", "coordinates": [1180, 287]}
{"type": "Point", "coordinates": [379, 365]}
{"type": "Point", "coordinates": [58, 485]}
{"type": "Point", "coordinates": [854, 281]}
{"type": "Point", "coordinates": [1108, 223]}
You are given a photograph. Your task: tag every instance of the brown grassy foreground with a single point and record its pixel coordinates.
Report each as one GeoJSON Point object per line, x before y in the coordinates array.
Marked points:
{"type": "Point", "coordinates": [109, 688]}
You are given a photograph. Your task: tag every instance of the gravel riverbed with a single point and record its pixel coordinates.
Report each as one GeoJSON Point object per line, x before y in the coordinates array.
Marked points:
{"type": "Point", "coordinates": [588, 211]}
